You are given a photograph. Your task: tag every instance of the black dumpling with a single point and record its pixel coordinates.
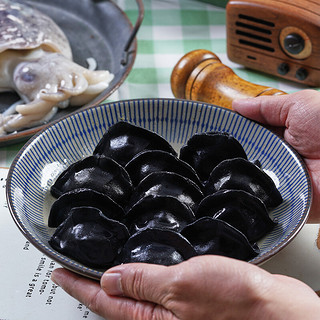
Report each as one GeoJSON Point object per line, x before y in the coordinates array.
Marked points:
{"type": "Point", "coordinates": [150, 161]}
{"type": "Point", "coordinates": [61, 208]}
{"type": "Point", "coordinates": [240, 209]}
{"type": "Point", "coordinates": [124, 140]}
{"type": "Point", "coordinates": [162, 212]}
{"type": "Point", "coordinates": [213, 236]}
{"type": "Point", "coordinates": [157, 246]}
{"type": "Point", "coordinates": [87, 236]}
{"type": "Point", "coordinates": [98, 173]}
{"type": "Point", "coordinates": [168, 184]}
{"type": "Point", "coordinates": [204, 151]}
{"type": "Point", "coordinates": [241, 174]}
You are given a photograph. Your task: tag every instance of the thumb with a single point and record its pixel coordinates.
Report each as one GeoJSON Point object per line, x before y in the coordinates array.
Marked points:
{"type": "Point", "coordinates": [137, 281]}
{"type": "Point", "coordinates": [270, 110]}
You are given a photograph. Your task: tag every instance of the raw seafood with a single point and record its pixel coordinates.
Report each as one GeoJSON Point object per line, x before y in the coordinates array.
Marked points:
{"type": "Point", "coordinates": [36, 62]}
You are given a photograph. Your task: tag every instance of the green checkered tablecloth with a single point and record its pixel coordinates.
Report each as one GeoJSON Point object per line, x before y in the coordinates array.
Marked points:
{"type": "Point", "coordinates": [170, 29]}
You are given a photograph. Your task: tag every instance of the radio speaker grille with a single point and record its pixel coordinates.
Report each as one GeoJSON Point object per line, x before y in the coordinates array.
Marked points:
{"type": "Point", "coordinates": [254, 32]}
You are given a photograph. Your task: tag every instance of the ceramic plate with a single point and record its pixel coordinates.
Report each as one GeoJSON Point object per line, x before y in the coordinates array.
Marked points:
{"type": "Point", "coordinates": [49, 152]}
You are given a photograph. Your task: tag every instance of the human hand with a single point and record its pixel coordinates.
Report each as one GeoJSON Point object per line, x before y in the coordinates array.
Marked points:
{"type": "Point", "coordinates": [297, 115]}
{"type": "Point", "coordinates": [204, 287]}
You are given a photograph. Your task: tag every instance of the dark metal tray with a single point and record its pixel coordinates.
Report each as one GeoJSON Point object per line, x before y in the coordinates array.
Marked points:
{"type": "Point", "coordinates": [97, 29]}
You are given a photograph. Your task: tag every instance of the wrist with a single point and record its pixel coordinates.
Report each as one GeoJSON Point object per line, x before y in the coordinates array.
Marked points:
{"type": "Point", "coordinates": [286, 298]}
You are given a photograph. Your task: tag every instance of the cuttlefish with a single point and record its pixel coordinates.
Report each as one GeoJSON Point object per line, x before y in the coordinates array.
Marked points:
{"type": "Point", "coordinates": [36, 62]}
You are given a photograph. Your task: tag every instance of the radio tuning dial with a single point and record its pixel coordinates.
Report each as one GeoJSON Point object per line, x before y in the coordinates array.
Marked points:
{"type": "Point", "coordinates": [295, 43]}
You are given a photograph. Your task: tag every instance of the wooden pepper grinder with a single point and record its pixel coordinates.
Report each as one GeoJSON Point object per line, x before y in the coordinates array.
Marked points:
{"type": "Point", "coordinates": [200, 76]}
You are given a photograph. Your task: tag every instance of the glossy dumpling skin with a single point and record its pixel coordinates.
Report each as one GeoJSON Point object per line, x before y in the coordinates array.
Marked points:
{"type": "Point", "coordinates": [213, 236]}
{"type": "Point", "coordinates": [83, 197]}
{"type": "Point", "coordinates": [240, 209]}
{"type": "Point", "coordinates": [157, 246]}
{"type": "Point", "coordinates": [168, 184]}
{"type": "Point", "coordinates": [204, 151]}
{"type": "Point", "coordinates": [124, 140]}
{"type": "Point", "coordinates": [150, 161]}
{"type": "Point", "coordinates": [98, 173]}
{"type": "Point", "coordinates": [162, 212]}
{"type": "Point", "coordinates": [241, 174]}
{"type": "Point", "coordinates": [87, 236]}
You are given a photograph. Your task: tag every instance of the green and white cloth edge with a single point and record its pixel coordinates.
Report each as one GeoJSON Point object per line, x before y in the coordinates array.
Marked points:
{"type": "Point", "coordinates": [170, 29]}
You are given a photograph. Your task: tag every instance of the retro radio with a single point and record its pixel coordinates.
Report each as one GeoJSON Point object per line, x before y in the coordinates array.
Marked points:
{"type": "Point", "coordinates": [279, 37]}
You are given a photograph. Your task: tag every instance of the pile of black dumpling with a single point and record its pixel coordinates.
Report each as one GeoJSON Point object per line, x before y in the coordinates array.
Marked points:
{"type": "Point", "coordinates": [135, 200]}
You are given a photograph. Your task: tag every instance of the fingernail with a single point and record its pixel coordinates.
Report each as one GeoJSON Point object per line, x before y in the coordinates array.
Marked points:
{"type": "Point", "coordinates": [111, 284]}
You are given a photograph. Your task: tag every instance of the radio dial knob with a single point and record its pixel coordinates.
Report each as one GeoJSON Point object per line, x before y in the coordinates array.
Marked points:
{"type": "Point", "coordinates": [301, 74]}
{"type": "Point", "coordinates": [283, 68]}
{"type": "Point", "coordinates": [294, 43]}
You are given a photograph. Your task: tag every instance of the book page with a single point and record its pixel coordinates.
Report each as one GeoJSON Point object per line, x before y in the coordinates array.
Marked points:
{"type": "Point", "coordinates": [26, 291]}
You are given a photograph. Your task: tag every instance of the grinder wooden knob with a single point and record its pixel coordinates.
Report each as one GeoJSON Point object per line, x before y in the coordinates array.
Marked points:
{"type": "Point", "coordinates": [200, 76]}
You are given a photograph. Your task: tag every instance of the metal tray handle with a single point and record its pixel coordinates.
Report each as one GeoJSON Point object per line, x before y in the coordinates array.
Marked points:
{"type": "Point", "coordinates": [135, 29]}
